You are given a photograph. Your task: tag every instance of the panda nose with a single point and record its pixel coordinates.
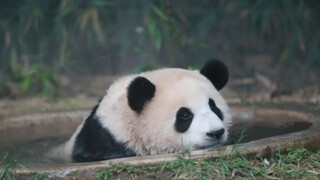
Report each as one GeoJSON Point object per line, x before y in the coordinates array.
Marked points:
{"type": "Point", "coordinates": [216, 134]}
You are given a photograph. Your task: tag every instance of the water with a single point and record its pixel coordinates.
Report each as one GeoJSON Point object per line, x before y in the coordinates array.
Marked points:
{"type": "Point", "coordinates": [250, 132]}
{"type": "Point", "coordinates": [247, 127]}
{"type": "Point", "coordinates": [31, 153]}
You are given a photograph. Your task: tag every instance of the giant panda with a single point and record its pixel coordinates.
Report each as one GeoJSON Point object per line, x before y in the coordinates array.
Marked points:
{"type": "Point", "coordinates": [162, 111]}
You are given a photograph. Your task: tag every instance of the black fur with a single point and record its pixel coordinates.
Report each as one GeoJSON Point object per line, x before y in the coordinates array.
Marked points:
{"type": "Point", "coordinates": [140, 91]}
{"type": "Point", "coordinates": [215, 109]}
{"type": "Point", "coordinates": [95, 142]}
{"type": "Point", "coordinates": [183, 120]}
{"type": "Point", "coordinates": [217, 72]}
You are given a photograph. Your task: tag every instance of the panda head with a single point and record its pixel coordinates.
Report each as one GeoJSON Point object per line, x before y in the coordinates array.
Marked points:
{"type": "Point", "coordinates": [178, 109]}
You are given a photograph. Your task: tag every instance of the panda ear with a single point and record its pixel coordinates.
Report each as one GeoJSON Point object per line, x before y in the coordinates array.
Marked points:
{"type": "Point", "coordinates": [217, 72]}
{"type": "Point", "coordinates": [140, 91]}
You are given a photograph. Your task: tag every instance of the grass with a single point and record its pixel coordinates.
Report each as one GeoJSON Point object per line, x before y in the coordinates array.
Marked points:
{"type": "Point", "coordinates": [292, 164]}
{"type": "Point", "coordinates": [289, 164]}
{"type": "Point", "coordinates": [7, 167]}
{"type": "Point", "coordinates": [7, 170]}
{"type": "Point", "coordinates": [40, 176]}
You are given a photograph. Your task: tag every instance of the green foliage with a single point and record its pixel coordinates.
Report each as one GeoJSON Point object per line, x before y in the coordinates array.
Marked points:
{"type": "Point", "coordinates": [109, 173]}
{"type": "Point", "coordinates": [7, 170]}
{"type": "Point", "coordinates": [78, 35]}
{"type": "Point", "coordinates": [292, 23]}
{"type": "Point", "coordinates": [299, 163]}
{"type": "Point", "coordinates": [40, 176]}
{"type": "Point", "coordinates": [37, 79]}
{"type": "Point", "coordinates": [105, 175]}
{"type": "Point", "coordinates": [155, 34]}
{"type": "Point", "coordinates": [143, 68]}
{"type": "Point", "coordinates": [195, 67]}
{"type": "Point", "coordinates": [7, 167]}
{"type": "Point", "coordinates": [41, 79]}
{"type": "Point", "coordinates": [293, 163]}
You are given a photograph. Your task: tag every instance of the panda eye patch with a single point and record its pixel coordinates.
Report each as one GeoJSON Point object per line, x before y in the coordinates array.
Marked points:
{"type": "Point", "coordinates": [185, 114]}
{"type": "Point", "coordinates": [215, 109]}
{"type": "Point", "coordinates": [183, 119]}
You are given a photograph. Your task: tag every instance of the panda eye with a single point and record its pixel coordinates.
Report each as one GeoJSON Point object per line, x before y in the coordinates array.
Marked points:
{"type": "Point", "coordinates": [183, 120]}
{"type": "Point", "coordinates": [185, 114]}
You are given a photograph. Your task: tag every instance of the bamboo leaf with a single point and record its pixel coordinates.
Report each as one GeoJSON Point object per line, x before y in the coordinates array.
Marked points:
{"type": "Point", "coordinates": [46, 91]}
{"type": "Point", "coordinates": [28, 24]}
{"type": "Point", "coordinates": [155, 34]}
{"type": "Point", "coordinates": [67, 8]}
{"type": "Point", "coordinates": [160, 13]}
{"type": "Point", "coordinates": [157, 40]}
{"type": "Point", "coordinates": [182, 17]}
{"type": "Point", "coordinates": [64, 3]}
{"type": "Point", "coordinates": [96, 25]}
{"type": "Point", "coordinates": [64, 43]}
{"type": "Point", "coordinates": [285, 55]}
{"type": "Point", "coordinates": [85, 19]}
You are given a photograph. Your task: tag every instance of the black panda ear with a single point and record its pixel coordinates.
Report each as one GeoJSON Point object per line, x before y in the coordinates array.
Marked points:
{"type": "Point", "coordinates": [140, 91]}
{"type": "Point", "coordinates": [217, 72]}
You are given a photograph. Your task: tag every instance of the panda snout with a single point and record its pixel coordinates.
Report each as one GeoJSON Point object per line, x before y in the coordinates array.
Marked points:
{"type": "Point", "coordinates": [216, 134]}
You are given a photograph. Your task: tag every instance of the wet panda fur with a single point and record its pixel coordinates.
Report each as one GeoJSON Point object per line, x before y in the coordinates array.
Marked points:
{"type": "Point", "coordinates": [157, 112]}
